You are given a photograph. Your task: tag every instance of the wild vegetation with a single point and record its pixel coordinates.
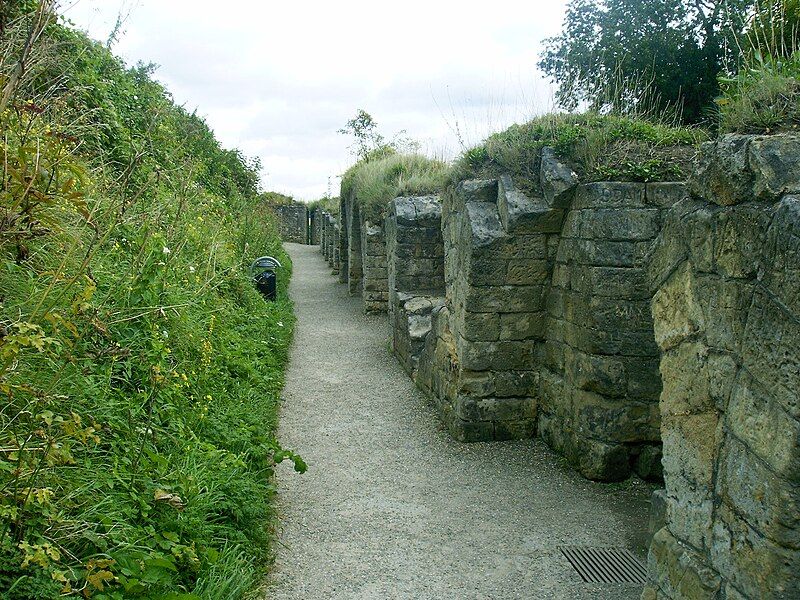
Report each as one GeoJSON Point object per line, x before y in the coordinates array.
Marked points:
{"type": "Point", "coordinates": [763, 95]}
{"type": "Point", "coordinates": [374, 182]}
{"type": "Point", "coordinates": [139, 369]}
{"type": "Point", "coordinates": [600, 147]}
{"type": "Point", "coordinates": [671, 52]}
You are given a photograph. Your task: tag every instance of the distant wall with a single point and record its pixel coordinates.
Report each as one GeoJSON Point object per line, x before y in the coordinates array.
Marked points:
{"type": "Point", "coordinates": [293, 222]}
{"type": "Point", "coordinates": [364, 260]}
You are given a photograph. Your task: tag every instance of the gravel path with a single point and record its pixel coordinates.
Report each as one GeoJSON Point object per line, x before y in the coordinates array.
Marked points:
{"type": "Point", "coordinates": [391, 507]}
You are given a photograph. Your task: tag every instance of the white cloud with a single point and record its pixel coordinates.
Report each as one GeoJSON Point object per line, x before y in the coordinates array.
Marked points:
{"type": "Point", "coordinates": [277, 79]}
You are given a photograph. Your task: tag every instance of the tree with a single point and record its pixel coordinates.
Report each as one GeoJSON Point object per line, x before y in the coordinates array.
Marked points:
{"type": "Point", "coordinates": [365, 131]}
{"type": "Point", "coordinates": [666, 54]}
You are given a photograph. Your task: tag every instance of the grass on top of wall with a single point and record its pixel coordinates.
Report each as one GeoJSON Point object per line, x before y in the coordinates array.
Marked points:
{"type": "Point", "coordinates": [377, 181]}
{"type": "Point", "coordinates": [599, 147]}
{"type": "Point", "coordinates": [763, 98]}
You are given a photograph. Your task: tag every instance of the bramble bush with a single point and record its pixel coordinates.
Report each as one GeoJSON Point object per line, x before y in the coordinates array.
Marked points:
{"type": "Point", "coordinates": [139, 369]}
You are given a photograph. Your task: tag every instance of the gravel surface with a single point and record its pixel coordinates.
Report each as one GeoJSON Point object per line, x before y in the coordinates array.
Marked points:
{"type": "Point", "coordinates": [391, 507]}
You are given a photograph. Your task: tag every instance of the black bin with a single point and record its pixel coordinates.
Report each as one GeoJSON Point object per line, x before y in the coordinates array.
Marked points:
{"type": "Point", "coordinates": [265, 276]}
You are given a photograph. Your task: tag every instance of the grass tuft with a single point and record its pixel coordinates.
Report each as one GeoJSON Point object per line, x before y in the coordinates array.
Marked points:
{"type": "Point", "coordinates": [763, 98]}
{"type": "Point", "coordinates": [374, 183]}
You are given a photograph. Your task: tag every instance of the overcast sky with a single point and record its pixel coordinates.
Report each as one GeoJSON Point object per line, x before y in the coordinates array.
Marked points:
{"type": "Point", "coordinates": [277, 79]}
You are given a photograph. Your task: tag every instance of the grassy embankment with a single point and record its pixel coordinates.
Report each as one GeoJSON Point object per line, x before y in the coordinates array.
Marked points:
{"type": "Point", "coordinates": [139, 369]}
{"type": "Point", "coordinates": [376, 180]}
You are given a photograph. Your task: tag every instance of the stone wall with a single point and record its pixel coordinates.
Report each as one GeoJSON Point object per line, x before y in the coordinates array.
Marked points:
{"type": "Point", "coordinates": [375, 268]}
{"type": "Point", "coordinates": [329, 240]}
{"type": "Point", "coordinates": [415, 274]}
{"type": "Point", "coordinates": [315, 218]}
{"type": "Point", "coordinates": [726, 277]}
{"type": "Point", "coordinates": [480, 361]}
{"type": "Point", "coordinates": [292, 222]}
{"type": "Point", "coordinates": [600, 384]}
{"type": "Point", "coordinates": [363, 257]}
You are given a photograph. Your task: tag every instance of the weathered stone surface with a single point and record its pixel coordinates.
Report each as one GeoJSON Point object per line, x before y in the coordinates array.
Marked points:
{"type": "Point", "coordinates": [658, 511]}
{"type": "Point", "coordinates": [557, 179]}
{"type": "Point", "coordinates": [725, 310]}
{"type": "Point", "coordinates": [520, 214]}
{"type": "Point", "coordinates": [665, 194]}
{"type": "Point", "coordinates": [604, 195]}
{"type": "Point", "coordinates": [738, 168]}
{"type": "Point", "coordinates": [751, 562]}
{"type": "Point", "coordinates": [775, 161]}
{"type": "Point", "coordinates": [477, 190]}
{"type": "Point", "coordinates": [722, 174]}
{"type": "Point", "coordinates": [293, 222]}
{"type": "Point", "coordinates": [679, 572]}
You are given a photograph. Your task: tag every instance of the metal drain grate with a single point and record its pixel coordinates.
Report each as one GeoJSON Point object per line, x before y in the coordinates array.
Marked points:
{"type": "Point", "coordinates": [605, 565]}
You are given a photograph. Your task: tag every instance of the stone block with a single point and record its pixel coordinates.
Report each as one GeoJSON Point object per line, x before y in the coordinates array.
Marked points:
{"type": "Point", "coordinates": [739, 238]}
{"type": "Point", "coordinates": [481, 327]}
{"type": "Point", "coordinates": [648, 466]}
{"type": "Point", "coordinates": [477, 384]}
{"type": "Point", "coordinates": [691, 444]}
{"type": "Point", "coordinates": [522, 325]}
{"type": "Point", "coordinates": [770, 504]}
{"type": "Point", "coordinates": [604, 254]}
{"type": "Point", "coordinates": [527, 272]}
{"type": "Point", "coordinates": [520, 214]}
{"type": "Point", "coordinates": [515, 383]}
{"type": "Point", "coordinates": [605, 375]}
{"type": "Point", "coordinates": [686, 380]}
{"type": "Point", "coordinates": [484, 223]}
{"type": "Point", "coordinates": [514, 430]}
{"type": "Point", "coordinates": [594, 341]}
{"type": "Point", "coordinates": [677, 315]}
{"type": "Point", "coordinates": [470, 408]}
{"type": "Point", "coordinates": [487, 270]}
{"type": "Point", "coordinates": [771, 350]}
{"type": "Point", "coordinates": [600, 461]}
{"type": "Point", "coordinates": [471, 431]}
{"type": "Point", "coordinates": [557, 179]}
{"type": "Point", "coordinates": [781, 263]}
{"type": "Point", "coordinates": [610, 195]}
{"type": "Point", "coordinates": [505, 299]}
{"type": "Point", "coordinates": [752, 563]}
{"type": "Point", "coordinates": [615, 421]}
{"type": "Point", "coordinates": [680, 572]}
{"type": "Point", "coordinates": [376, 285]}
{"type": "Point", "coordinates": [613, 224]}
{"type": "Point", "coordinates": [497, 356]}
{"type": "Point", "coordinates": [762, 423]}
{"type": "Point", "coordinates": [658, 512]}
{"type": "Point", "coordinates": [665, 194]}
{"type": "Point", "coordinates": [722, 174]}
{"type": "Point", "coordinates": [775, 162]}
{"type": "Point", "coordinates": [477, 190]}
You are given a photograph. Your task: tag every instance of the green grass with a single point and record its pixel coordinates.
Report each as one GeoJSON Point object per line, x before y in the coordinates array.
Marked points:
{"type": "Point", "coordinates": [140, 371]}
{"type": "Point", "coordinates": [599, 147]}
{"type": "Point", "coordinates": [763, 98]}
{"type": "Point", "coordinates": [329, 205]}
{"type": "Point", "coordinates": [376, 182]}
